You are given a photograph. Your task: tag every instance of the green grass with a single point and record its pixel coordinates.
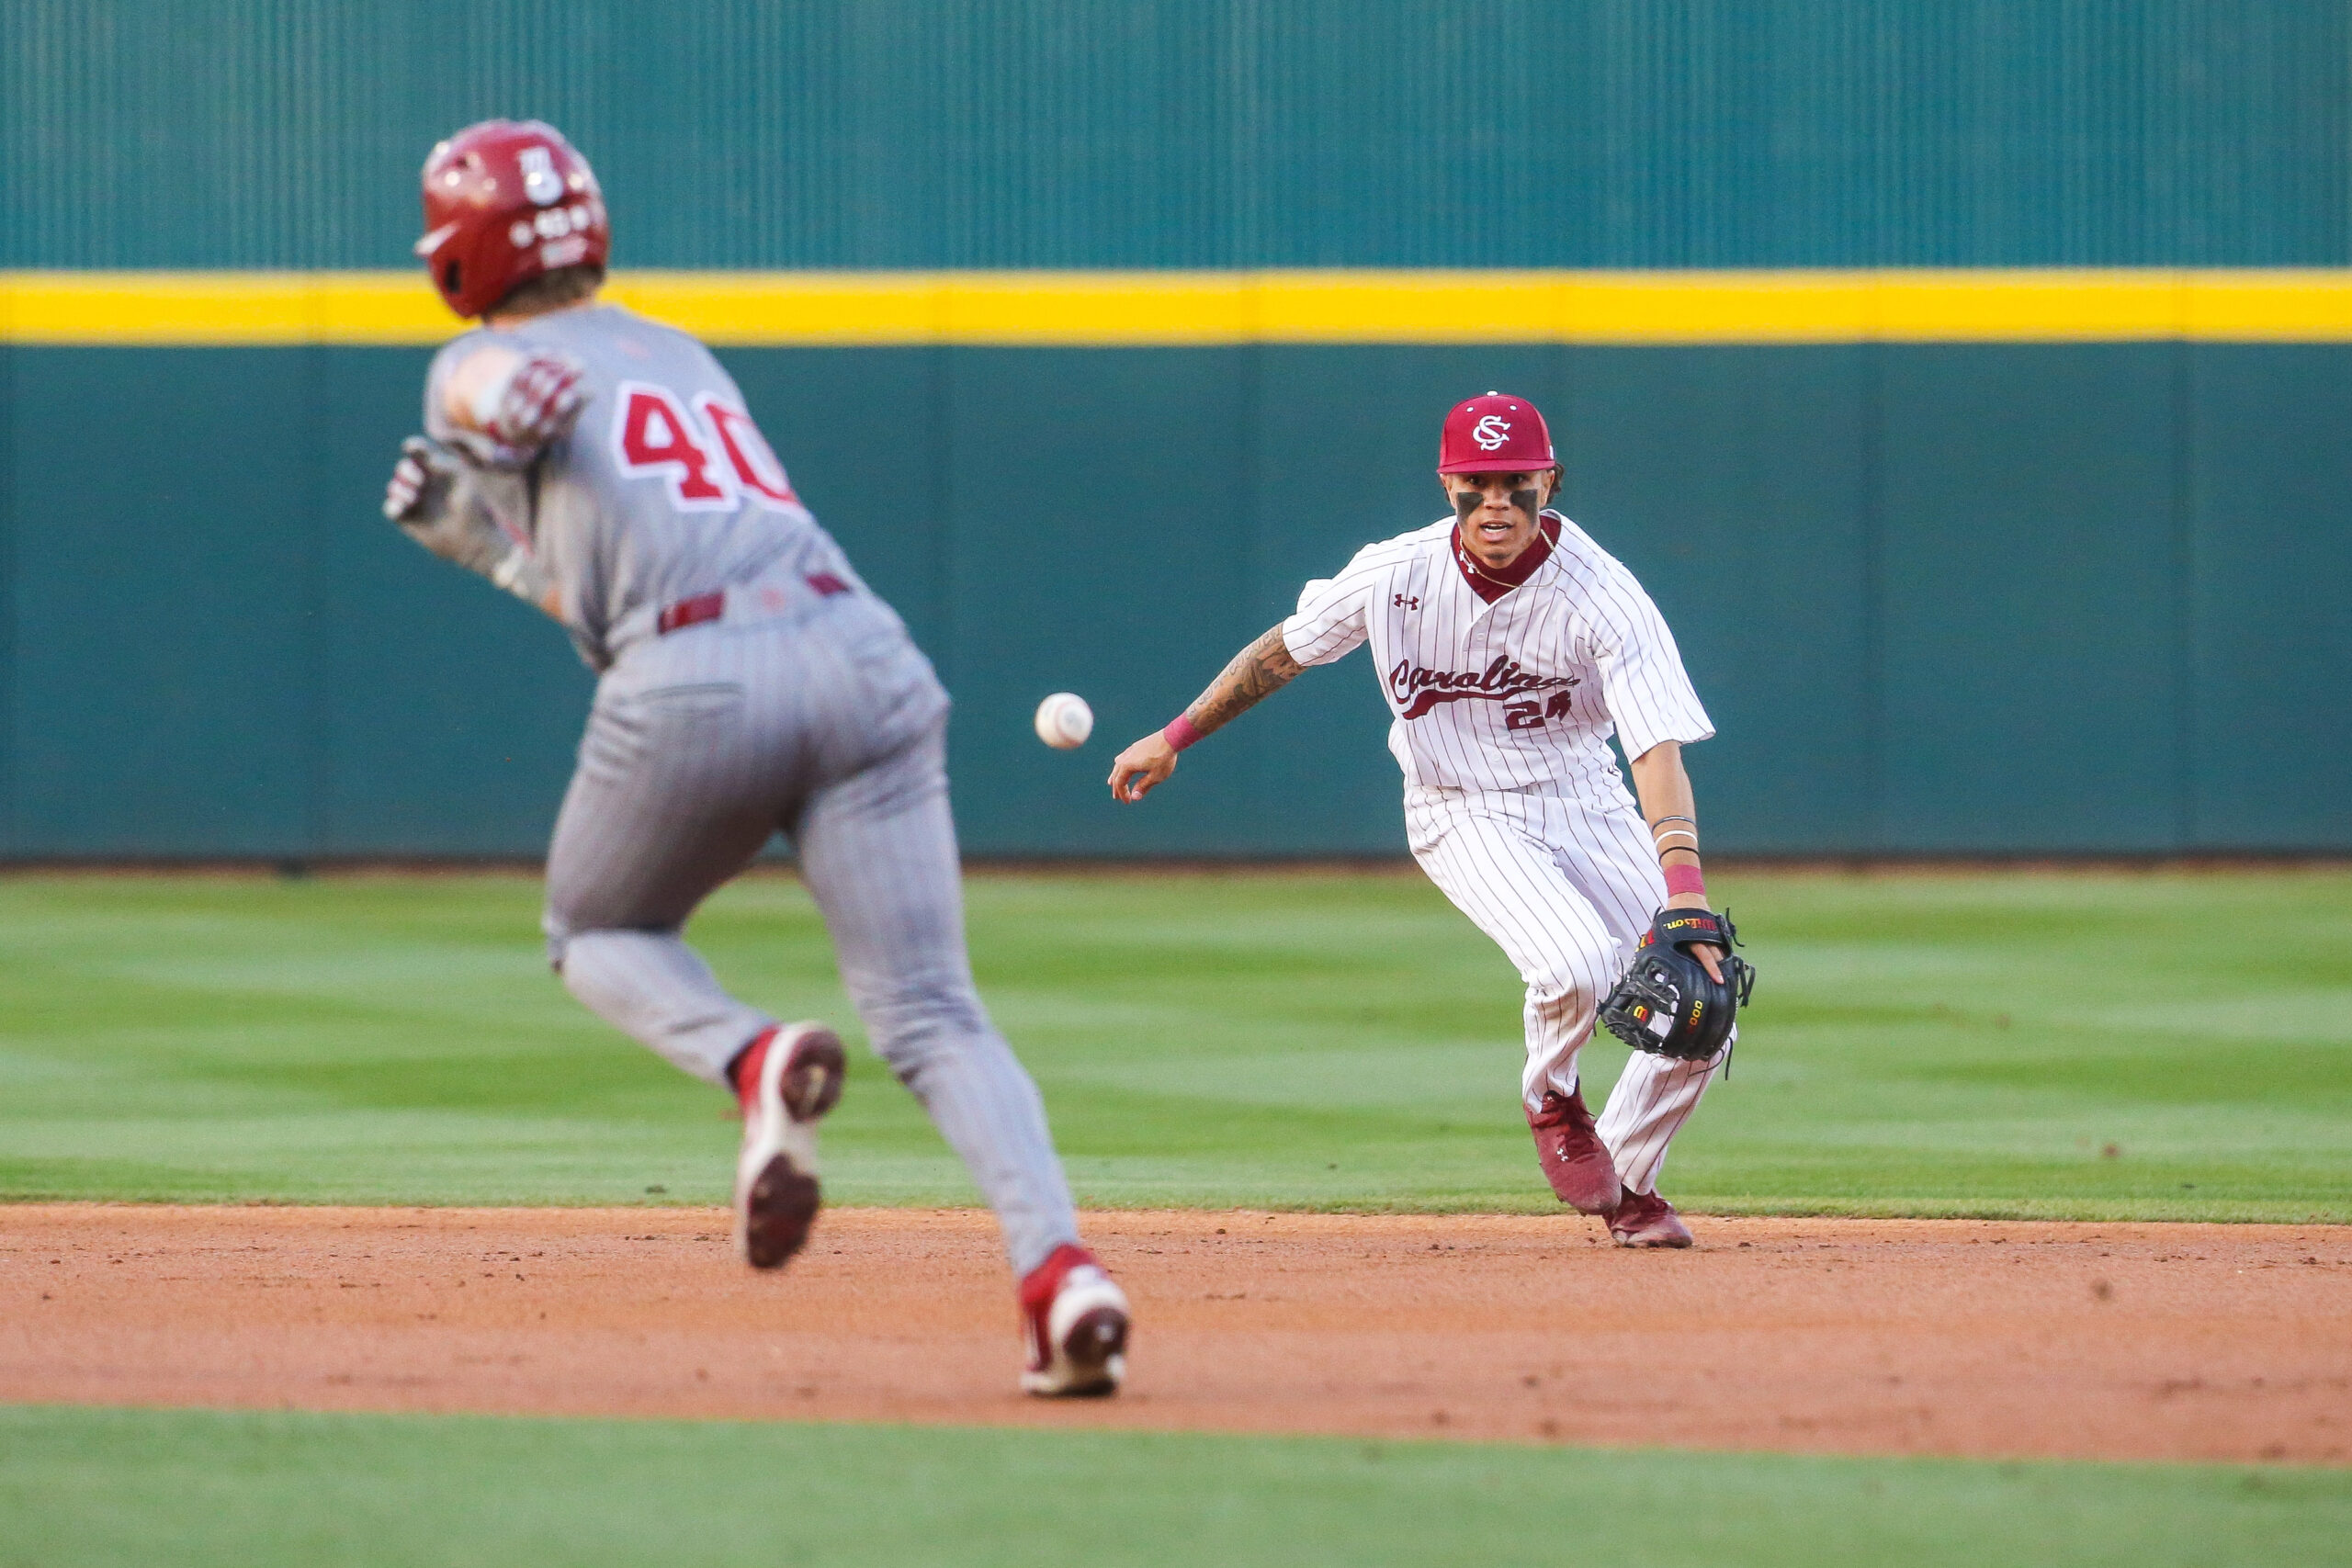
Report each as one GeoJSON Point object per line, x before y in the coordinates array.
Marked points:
{"type": "Point", "coordinates": [95, 1487]}
{"type": "Point", "coordinates": [1922, 1044]}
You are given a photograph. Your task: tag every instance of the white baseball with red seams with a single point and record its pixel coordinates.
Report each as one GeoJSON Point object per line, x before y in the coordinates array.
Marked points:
{"type": "Point", "coordinates": [1502, 710]}
{"type": "Point", "coordinates": [1064, 721]}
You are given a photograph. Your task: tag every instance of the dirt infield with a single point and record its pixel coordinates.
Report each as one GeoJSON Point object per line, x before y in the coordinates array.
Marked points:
{"type": "Point", "coordinates": [2158, 1341]}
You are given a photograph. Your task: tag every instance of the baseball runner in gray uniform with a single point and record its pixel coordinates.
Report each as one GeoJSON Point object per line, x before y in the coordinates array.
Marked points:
{"type": "Point", "coordinates": [605, 469]}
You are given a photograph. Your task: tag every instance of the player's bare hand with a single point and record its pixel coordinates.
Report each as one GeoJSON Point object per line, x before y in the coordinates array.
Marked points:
{"type": "Point", "coordinates": [1141, 767]}
{"type": "Point", "coordinates": [1709, 955]}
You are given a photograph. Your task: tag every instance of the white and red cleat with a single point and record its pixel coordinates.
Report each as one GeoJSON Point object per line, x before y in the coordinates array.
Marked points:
{"type": "Point", "coordinates": [787, 1078]}
{"type": "Point", "coordinates": [1075, 1321]}
{"type": "Point", "coordinates": [1644, 1219]}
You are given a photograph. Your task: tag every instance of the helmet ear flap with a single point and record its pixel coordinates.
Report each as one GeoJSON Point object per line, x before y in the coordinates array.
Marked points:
{"type": "Point", "coordinates": [450, 275]}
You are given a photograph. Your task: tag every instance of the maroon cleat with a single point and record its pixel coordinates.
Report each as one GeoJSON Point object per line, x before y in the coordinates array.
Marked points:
{"type": "Point", "coordinates": [1575, 1161]}
{"type": "Point", "coordinates": [1644, 1219]}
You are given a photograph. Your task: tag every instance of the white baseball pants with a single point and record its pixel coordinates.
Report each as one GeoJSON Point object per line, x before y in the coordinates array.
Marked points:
{"type": "Point", "coordinates": [1565, 888]}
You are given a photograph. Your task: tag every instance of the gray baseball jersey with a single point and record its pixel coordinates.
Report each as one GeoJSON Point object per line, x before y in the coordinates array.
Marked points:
{"type": "Point", "coordinates": [790, 699]}
{"type": "Point", "coordinates": [665, 489]}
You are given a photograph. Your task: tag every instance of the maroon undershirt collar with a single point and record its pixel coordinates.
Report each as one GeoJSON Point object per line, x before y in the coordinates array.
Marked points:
{"type": "Point", "coordinates": [1491, 582]}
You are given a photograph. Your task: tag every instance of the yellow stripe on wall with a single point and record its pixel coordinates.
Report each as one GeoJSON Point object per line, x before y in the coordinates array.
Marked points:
{"type": "Point", "coordinates": [1111, 309]}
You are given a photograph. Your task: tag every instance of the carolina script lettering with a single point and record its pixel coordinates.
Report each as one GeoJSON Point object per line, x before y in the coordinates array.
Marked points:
{"type": "Point", "coordinates": [1418, 689]}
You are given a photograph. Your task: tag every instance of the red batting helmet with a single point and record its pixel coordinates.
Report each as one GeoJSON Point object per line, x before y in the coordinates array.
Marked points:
{"type": "Point", "coordinates": [1495, 434]}
{"type": "Point", "coordinates": [506, 200]}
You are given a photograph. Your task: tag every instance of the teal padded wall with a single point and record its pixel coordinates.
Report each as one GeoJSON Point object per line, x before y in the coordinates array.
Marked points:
{"type": "Point", "coordinates": [163, 658]}
{"type": "Point", "coordinates": [2267, 597]}
{"type": "Point", "coordinates": [2028, 563]}
{"type": "Point", "coordinates": [1204, 133]}
{"type": "Point", "coordinates": [1940, 599]}
{"type": "Point", "coordinates": [1998, 598]}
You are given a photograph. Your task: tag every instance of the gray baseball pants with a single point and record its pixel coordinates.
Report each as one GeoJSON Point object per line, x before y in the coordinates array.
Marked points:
{"type": "Point", "coordinates": [829, 727]}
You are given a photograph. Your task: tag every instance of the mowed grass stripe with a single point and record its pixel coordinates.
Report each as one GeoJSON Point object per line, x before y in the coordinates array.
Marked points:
{"type": "Point", "coordinates": [103, 1486]}
{"type": "Point", "coordinates": [2102, 1046]}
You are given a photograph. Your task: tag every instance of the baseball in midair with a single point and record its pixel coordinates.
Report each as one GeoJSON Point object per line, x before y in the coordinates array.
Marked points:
{"type": "Point", "coordinates": [1063, 720]}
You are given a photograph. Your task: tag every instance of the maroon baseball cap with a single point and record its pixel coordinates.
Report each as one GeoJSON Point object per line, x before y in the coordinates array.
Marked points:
{"type": "Point", "coordinates": [1495, 434]}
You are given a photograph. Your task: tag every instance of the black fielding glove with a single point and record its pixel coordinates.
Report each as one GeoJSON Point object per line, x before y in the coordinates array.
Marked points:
{"type": "Point", "coordinates": [1666, 1004]}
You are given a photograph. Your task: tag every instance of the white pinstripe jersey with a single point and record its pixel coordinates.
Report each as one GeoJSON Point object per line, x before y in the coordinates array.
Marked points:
{"type": "Point", "coordinates": [1520, 694]}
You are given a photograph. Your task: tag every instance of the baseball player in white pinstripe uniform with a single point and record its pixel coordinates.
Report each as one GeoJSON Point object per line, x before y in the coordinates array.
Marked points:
{"type": "Point", "coordinates": [605, 469]}
{"type": "Point", "coordinates": [1509, 647]}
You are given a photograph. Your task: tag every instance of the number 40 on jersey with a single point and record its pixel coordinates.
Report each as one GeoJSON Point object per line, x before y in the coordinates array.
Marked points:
{"type": "Point", "coordinates": [709, 451]}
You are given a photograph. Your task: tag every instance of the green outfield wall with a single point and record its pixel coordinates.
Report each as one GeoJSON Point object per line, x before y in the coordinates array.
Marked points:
{"type": "Point", "coordinates": [1204, 133]}
{"type": "Point", "coordinates": [2069, 572]}
{"type": "Point", "coordinates": [1938, 597]}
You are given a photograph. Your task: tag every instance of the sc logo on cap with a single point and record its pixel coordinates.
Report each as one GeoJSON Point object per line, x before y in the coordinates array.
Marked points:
{"type": "Point", "coordinates": [1490, 432]}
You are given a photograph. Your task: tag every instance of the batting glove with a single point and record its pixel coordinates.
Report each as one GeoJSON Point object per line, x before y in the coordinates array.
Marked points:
{"type": "Point", "coordinates": [420, 480]}
{"type": "Point", "coordinates": [536, 402]}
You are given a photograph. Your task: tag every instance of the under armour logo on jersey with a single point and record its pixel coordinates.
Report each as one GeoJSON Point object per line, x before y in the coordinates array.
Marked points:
{"type": "Point", "coordinates": [1491, 432]}
{"type": "Point", "coordinates": [1407, 601]}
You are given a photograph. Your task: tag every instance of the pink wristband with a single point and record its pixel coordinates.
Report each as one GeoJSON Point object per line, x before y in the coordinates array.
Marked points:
{"type": "Point", "coordinates": [1180, 733]}
{"type": "Point", "coordinates": [1682, 879]}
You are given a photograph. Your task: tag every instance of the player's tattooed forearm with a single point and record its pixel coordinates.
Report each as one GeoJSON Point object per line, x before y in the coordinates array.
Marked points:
{"type": "Point", "coordinates": [1257, 673]}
